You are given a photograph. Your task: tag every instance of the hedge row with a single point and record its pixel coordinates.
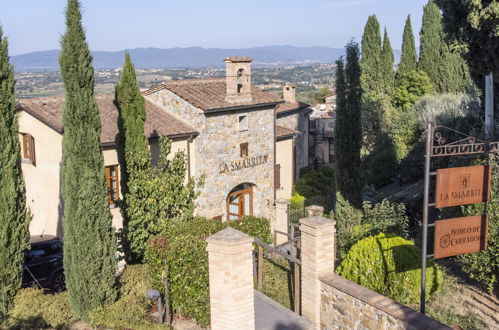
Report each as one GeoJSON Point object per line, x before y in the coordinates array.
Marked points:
{"type": "Point", "coordinates": [183, 247]}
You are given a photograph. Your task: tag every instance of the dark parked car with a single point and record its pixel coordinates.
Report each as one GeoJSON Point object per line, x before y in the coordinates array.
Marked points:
{"type": "Point", "coordinates": [43, 263]}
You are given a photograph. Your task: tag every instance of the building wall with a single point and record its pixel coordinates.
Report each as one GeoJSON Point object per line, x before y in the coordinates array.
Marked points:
{"type": "Point", "coordinates": [284, 157]}
{"type": "Point", "coordinates": [298, 121]}
{"type": "Point", "coordinates": [111, 158]}
{"type": "Point", "coordinates": [218, 145]}
{"type": "Point", "coordinates": [43, 180]}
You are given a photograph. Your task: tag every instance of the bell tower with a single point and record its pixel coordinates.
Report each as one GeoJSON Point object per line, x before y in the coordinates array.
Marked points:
{"type": "Point", "coordinates": [238, 79]}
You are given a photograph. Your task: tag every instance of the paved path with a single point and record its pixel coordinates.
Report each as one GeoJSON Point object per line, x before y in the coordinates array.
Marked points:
{"type": "Point", "coordinates": [270, 315]}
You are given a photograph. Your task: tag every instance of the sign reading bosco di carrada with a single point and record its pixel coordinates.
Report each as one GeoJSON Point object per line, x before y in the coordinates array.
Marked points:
{"type": "Point", "coordinates": [462, 185]}
{"type": "Point", "coordinates": [460, 236]}
{"type": "Point", "coordinates": [246, 162]}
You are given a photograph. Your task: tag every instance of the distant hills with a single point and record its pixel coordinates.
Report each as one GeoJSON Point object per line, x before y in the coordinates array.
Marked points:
{"type": "Point", "coordinates": [191, 57]}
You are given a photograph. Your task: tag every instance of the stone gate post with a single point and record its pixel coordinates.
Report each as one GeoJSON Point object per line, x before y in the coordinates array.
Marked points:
{"type": "Point", "coordinates": [231, 280]}
{"type": "Point", "coordinates": [317, 257]}
{"type": "Point", "coordinates": [281, 219]}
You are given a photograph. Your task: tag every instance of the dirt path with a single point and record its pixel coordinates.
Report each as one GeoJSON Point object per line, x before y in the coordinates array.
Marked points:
{"type": "Point", "coordinates": [484, 305]}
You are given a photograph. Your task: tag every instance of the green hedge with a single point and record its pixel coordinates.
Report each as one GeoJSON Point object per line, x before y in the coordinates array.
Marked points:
{"type": "Point", "coordinates": [183, 247]}
{"type": "Point", "coordinates": [317, 187]}
{"type": "Point", "coordinates": [391, 266]}
{"type": "Point", "coordinates": [32, 309]}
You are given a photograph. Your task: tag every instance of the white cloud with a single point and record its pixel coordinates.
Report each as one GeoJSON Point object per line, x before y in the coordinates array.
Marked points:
{"type": "Point", "coordinates": [348, 3]}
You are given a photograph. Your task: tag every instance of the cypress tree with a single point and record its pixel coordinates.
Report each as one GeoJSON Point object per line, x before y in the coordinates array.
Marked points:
{"type": "Point", "coordinates": [347, 133]}
{"type": "Point", "coordinates": [89, 239]}
{"type": "Point", "coordinates": [408, 59]}
{"type": "Point", "coordinates": [388, 61]}
{"type": "Point", "coordinates": [433, 52]}
{"type": "Point", "coordinates": [134, 155]}
{"type": "Point", "coordinates": [372, 82]}
{"type": "Point", "coordinates": [14, 219]}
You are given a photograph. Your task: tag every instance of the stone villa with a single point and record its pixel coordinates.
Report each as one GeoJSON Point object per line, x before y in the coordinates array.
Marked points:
{"type": "Point", "coordinates": [248, 144]}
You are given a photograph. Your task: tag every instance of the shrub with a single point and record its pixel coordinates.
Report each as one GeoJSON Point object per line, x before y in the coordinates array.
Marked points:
{"type": "Point", "coordinates": [389, 265]}
{"type": "Point", "coordinates": [318, 183]}
{"type": "Point", "coordinates": [183, 247]}
{"type": "Point", "coordinates": [297, 201]}
{"type": "Point", "coordinates": [34, 309]}
{"type": "Point", "coordinates": [346, 217]}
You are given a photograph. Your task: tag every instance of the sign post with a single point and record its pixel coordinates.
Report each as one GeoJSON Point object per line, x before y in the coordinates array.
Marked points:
{"type": "Point", "coordinates": [454, 187]}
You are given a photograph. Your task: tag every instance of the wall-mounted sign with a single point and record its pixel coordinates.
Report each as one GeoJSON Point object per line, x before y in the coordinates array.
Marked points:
{"type": "Point", "coordinates": [246, 162]}
{"type": "Point", "coordinates": [462, 185]}
{"type": "Point", "coordinates": [460, 236]}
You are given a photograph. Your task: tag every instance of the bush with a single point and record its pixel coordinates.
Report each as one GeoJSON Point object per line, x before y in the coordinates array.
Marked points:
{"type": "Point", "coordinates": [346, 217]}
{"type": "Point", "coordinates": [183, 247]}
{"type": "Point", "coordinates": [297, 202]}
{"type": "Point", "coordinates": [34, 309]}
{"type": "Point", "coordinates": [318, 183]}
{"type": "Point", "coordinates": [389, 265]}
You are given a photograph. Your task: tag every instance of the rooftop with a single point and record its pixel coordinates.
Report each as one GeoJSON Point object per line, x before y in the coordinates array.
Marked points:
{"type": "Point", "coordinates": [291, 106]}
{"type": "Point", "coordinates": [209, 94]}
{"type": "Point", "coordinates": [158, 122]}
{"type": "Point", "coordinates": [281, 132]}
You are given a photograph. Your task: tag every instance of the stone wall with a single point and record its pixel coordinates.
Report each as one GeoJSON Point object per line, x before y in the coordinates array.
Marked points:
{"type": "Point", "coordinates": [298, 121]}
{"type": "Point", "coordinates": [347, 305]}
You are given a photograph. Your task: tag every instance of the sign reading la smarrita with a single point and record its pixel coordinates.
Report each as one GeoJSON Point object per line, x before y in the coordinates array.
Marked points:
{"type": "Point", "coordinates": [460, 236]}
{"type": "Point", "coordinates": [462, 185]}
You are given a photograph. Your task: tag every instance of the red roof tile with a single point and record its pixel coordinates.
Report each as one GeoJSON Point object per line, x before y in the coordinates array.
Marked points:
{"type": "Point", "coordinates": [290, 106]}
{"type": "Point", "coordinates": [281, 131]}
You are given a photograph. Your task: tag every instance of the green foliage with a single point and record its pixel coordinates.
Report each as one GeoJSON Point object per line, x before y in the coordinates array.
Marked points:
{"type": "Point", "coordinates": [131, 310]}
{"type": "Point", "coordinates": [14, 218]}
{"type": "Point", "coordinates": [411, 88]}
{"type": "Point", "coordinates": [381, 164]}
{"type": "Point", "coordinates": [348, 125]}
{"type": "Point", "coordinates": [388, 61]}
{"type": "Point", "coordinates": [182, 245]}
{"type": "Point", "coordinates": [389, 265]}
{"type": "Point", "coordinates": [89, 239]}
{"type": "Point", "coordinates": [32, 309]}
{"type": "Point", "coordinates": [319, 183]}
{"type": "Point", "coordinates": [372, 77]}
{"type": "Point", "coordinates": [297, 201]}
{"type": "Point", "coordinates": [483, 266]}
{"type": "Point", "coordinates": [278, 281]}
{"type": "Point", "coordinates": [346, 217]}
{"type": "Point", "coordinates": [405, 133]}
{"type": "Point", "coordinates": [158, 195]}
{"type": "Point", "coordinates": [408, 59]}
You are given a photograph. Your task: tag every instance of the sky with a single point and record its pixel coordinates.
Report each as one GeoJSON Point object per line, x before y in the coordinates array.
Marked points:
{"type": "Point", "coordinates": [111, 25]}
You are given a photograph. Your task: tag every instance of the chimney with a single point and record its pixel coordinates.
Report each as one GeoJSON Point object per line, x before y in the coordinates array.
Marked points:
{"type": "Point", "coordinates": [289, 93]}
{"type": "Point", "coordinates": [238, 79]}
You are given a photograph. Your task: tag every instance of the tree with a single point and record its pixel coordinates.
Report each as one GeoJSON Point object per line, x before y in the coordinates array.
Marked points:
{"type": "Point", "coordinates": [348, 131]}
{"type": "Point", "coordinates": [89, 239]}
{"type": "Point", "coordinates": [388, 61]}
{"type": "Point", "coordinates": [411, 88]}
{"type": "Point", "coordinates": [408, 59]}
{"type": "Point", "coordinates": [372, 81]}
{"type": "Point", "coordinates": [14, 218]}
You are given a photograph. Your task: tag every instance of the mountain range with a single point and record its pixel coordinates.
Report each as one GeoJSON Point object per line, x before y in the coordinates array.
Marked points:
{"type": "Point", "coordinates": [190, 57]}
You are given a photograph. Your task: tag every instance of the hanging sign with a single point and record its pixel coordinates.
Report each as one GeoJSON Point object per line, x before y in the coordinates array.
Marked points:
{"type": "Point", "coordinates": [462, 185]}
{"type": "Point", "coordinates": [460, 236]}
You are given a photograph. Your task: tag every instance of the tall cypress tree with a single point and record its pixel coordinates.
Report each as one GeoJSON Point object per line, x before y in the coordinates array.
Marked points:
{"type": "Point", "coordinates": [347, 133]}
{"type": "Point", "coordinates": [372, 81]}
{"type": "Point", "coordinates": [89, 239]}
{"type": "Point", "coordinates": [14, 219]}
{"type": "Point", "coordinates": [135, 156]}
{"type": "Point", "coordinates": [434, 55]}
{"type": "Point", "coordinates": [408, 59]}
{"type": "Point", "coordinates": [388, 61]}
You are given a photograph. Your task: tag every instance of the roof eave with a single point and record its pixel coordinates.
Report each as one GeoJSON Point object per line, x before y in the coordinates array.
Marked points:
{"type": "Point", "coordinates": [20, 106]}
{"type": "Point", "coordinates": [247, 106]}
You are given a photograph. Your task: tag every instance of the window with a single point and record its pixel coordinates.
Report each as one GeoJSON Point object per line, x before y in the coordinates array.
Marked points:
{"type": "Point", "coordinates": [244, 149]}
{"type": "Point", "coordinates": [113, 184]}
{"type": "Point", "coordinates": [239, 80]}
{"type": "Point", "coordinates": [331, 151]}
{"type": "Point", "coordinates": [240, 202]}
{"type": "Point", "coordinates": [28, 146]}
{"type": "Point", "coordinates": [243, 123]}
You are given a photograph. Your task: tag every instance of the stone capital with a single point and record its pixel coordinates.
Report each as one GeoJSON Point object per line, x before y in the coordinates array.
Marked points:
{"type": "Point", "coordinates": [317, 226]}
{"type": "Point", "coordinates": [229, 241]}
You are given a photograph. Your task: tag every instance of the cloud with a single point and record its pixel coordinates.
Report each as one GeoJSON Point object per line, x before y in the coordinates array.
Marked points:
{"type": "Point", "coordinates": [348, 3]}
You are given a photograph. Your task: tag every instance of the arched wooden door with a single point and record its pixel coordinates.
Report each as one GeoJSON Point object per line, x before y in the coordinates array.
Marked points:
{"type": "Point", "coordinates": [240, 202]}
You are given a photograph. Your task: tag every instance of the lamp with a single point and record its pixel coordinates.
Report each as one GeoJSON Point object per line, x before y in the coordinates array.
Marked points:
{"type": "Point", "coordinates": [154, 294]}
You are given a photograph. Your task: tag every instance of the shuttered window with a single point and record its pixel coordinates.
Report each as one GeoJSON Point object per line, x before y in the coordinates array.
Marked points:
{"type": "Point", "coordinates": [113, 184]}
{"type": "Point", "coordinates": [244, 149]}
{"type": "Point", "coordinates": [277, 176]}
{"type": "Point", "coordinates": [28, 146]}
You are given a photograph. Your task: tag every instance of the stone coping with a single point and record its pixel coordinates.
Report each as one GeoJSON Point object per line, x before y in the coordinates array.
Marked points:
{"type": "Point", "coordinates": [229, 236]}
{"type": "Point", "coordinates": [317, 222]}
{"type": "Point", "coordinates": [384, 304]}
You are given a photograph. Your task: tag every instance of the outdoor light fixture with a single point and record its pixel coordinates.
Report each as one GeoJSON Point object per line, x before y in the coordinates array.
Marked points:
{"type": "Point", "coordinates": [154, 294]}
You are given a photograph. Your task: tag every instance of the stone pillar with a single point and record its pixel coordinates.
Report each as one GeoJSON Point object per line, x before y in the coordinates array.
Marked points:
{"type": "Point", "coordinates": [281, 219]}
{"type": "Point", "coordinates": [231, 280]}
{"type": "Point", "coordinates": [315, 211]}
{"type": "Point", "coordinates": [317, 257]}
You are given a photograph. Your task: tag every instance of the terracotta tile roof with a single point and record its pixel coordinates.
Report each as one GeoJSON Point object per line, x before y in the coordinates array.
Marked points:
{"type": "Point", "coordinates": [158, 122]}
{"type": "Point", "coordinates": [209, 94]}
{"type": "Point", "coordinates": [281, 131]}
{"type": "Point", "coordinates": [290, 106]}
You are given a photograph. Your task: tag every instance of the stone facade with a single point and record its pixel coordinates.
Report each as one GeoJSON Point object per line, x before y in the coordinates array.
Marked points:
{"type": "Point", "coordinates": [347, 305]}
{"type": "Point", "coordinates": [297, 120]}
{"type": "Point", "coordinates": [218, 145]}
